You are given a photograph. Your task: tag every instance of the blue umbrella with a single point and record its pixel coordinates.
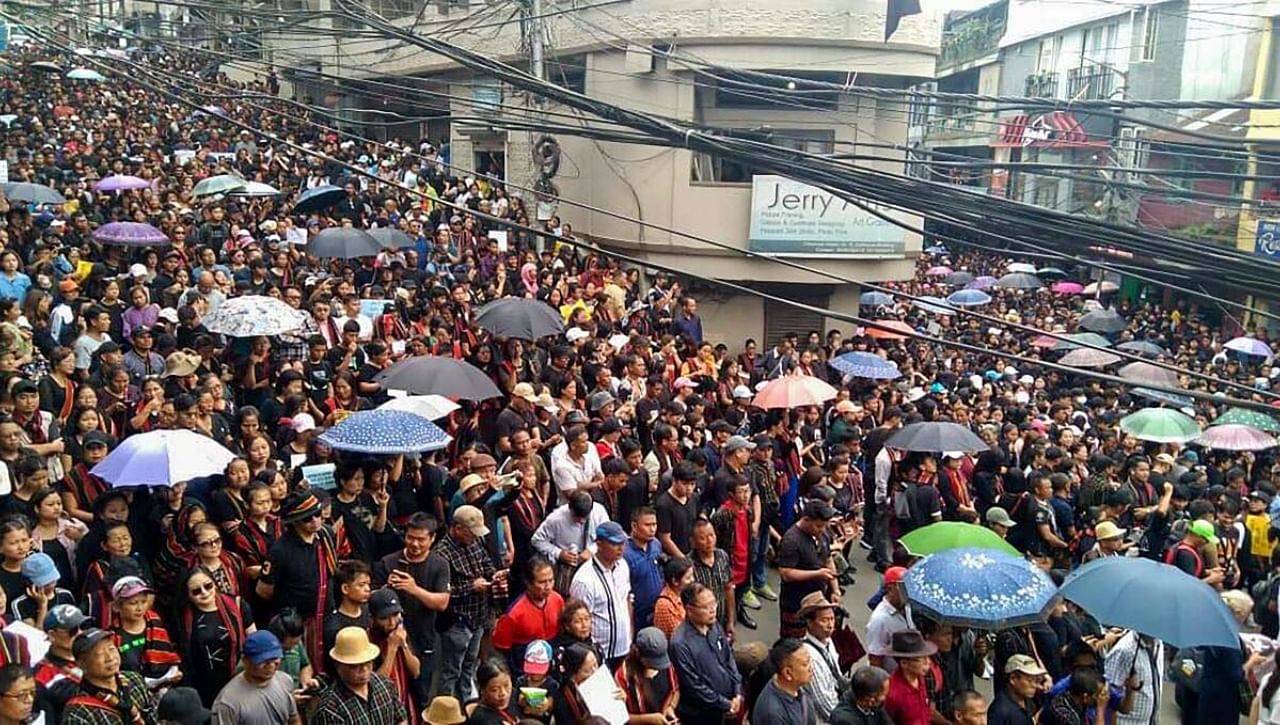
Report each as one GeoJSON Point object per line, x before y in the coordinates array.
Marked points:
{"type": "Point", "coordinates": [938, 250]}
{"type": "Point", "coordinates": [385, 431]}
{"type": "Point", "coordinates": [321, 197]}
{"type": "Point", "coordinates": [1154, 599]}
{"type": "Point", "coordinates": [979, 588]}
{"type": "Point", "coordinates": [865, 365]}
{"type": "Point", "coordinates": [934, 305]}
{"type": "Point", "coordinates": [875, 299]}
{"type": "Point", "coordinates": [969, 298]}
{"type": "Point", "coordinates": [1179, 401]}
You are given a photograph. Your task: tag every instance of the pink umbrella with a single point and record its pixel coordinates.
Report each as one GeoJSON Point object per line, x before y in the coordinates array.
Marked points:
{"type": "Point", "coordinates": [793, 391]}
{"type": "Point", "coordinates": [939, 271]}
{"type": "Point", "coordinates": [1044, 341]}
{"type": "Point", "coordinates": [1068, 288]}
{"type": "Point", "coordinates": [1236, 437]}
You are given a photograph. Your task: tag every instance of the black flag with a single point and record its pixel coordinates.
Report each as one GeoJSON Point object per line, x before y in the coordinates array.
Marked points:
{"type": "Point", "coordinates": [897, 10]}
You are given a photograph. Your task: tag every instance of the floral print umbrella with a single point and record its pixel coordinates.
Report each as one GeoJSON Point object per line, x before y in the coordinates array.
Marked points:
{"type": "Point", "coordinates": [254, 315]}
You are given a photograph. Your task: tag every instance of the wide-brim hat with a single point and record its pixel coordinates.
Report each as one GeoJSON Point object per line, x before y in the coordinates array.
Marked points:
{"type": "Point", "coordinates": [299, 506]}
{"type": "Point", "coordinates": [910, 643]}
{"type": "Point", "coordinates": [179, 364]}
{"type": "Point", "coordinates": [352, 647]}
{"type": "Point", "coordinates": [444, 710]}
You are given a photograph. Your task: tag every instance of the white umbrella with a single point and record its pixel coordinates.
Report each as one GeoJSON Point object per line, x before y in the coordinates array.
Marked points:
{"type": "Point", "coordinates": [431, 407]}
{"type": "Point", "coordinates": [254, 315]}
{"type": "Point", "coordinates": [1021, 267]}
{"type": "Point", "coordinates": [162, 458]}
{"type": "Point", "coordinates": [255, 188]}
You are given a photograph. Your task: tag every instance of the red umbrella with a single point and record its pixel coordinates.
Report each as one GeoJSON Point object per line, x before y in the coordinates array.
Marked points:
{"type": "Point", "coordinates": [888, 335]}
{"type": "Point", "coordinates": [793, 391]}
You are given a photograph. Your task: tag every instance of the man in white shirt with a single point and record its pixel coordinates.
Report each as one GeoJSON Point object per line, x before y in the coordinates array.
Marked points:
{"type": "Point", "coordinates": [578, 469]}
{"type": "Point", "coordinates": [604, 584]}
{"type": "Point", "coordinates": [351, 311]}
{"type": "Point", "coordinates": [890, 616]}
{"type": "Point", "coordinates": [828, 680]}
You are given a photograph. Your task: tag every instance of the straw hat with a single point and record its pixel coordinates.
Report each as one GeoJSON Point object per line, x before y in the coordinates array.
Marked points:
{"type": "Point", "coordinates": [444, 710]}
{"type": "Point", "coordinates": [352, 647]}
{"type": "Point", "coordinates": [180, 364]}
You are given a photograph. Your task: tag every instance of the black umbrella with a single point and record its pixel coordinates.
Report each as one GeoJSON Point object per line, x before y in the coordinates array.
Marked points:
{"type": "Point", "coordinates": [1107, 320]}
{"type": "Point", "coordinates": [392, 238]}
{"type": "Point", "coordinates": [959, 279]}
{"type": "Point", "coordinates": [28, 193]}
{"type": "Point", "coordinates": [321, 197]}
{"type": "Point", "coordinates": [433, 375]}
{"type": "Point", "coordinates": [344, 243]}
{"type": "Point", "coordinates": [935, 438]}
{"type": "Point", "coordinates": [1020, 280]}
{"type": "Point", "coordinates": [520, 318]}
{"type": "Point", "coordinates": [1142, 347]}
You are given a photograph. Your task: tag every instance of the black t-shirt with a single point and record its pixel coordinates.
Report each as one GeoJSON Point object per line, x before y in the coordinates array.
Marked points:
{"type": "Point", "coordinates": [318, 376]}
{"type": "Point", "coordinates": [1033, 515]}
{"type": "Point", "coordinates": [801, 551]}
{"type": "Point", "coordinates": [509, 421]}
{"type": "Point", "coordinates": [336, 621]}
{"type": "Point", "coordinates": [13, 584]}
{"type": "Point", "coordinates": [1004, 711]}
{"type": "Point", "coordinates": [925, 504]}
{"type": "Point", "coordinates": [431, 574]}
{"type": "Point", "coordinates": [677, 519]}
{"type": "Point", "coordinates": [292, 568]}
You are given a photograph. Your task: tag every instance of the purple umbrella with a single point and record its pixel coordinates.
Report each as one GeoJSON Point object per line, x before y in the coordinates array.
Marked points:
{"type": "Point", "coordinates": [1249, 346]}
{"type": "Point", "coordinates": [1235, 437]}
{"type": "Point", "coordinates": [121, 182]}
{"type": "Point", "coordinates": [939, 271]}
{"type": "Point", "coordinates": [1068, 288]}
{"type": "Point", "coordinates": [130, 234]}
{"type": "Point", "coordinates": [983, 282]}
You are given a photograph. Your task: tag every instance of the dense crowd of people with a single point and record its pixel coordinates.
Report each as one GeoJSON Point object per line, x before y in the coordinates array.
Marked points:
{"type": "Point", "coordinates": [613, 515]}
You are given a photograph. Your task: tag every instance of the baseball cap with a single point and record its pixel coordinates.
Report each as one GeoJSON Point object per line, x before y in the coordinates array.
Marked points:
{"type": "Point", "coordinates": [742, 391]}
{"type": "Point", "coordinates": [997, 515]}
{"type": "Point", "coordinates": [64, 616]}
{"type": "Point", "coordinates": [737, 443]}
{"type": "Point", "coordinates": [472, 518]}
{"type": "Point", "coordinates": [262, 646]}
{"type": "Point", "coordinates": [537, 657]}
{"type": "Point", "coordinates": [574, 334]}
{"type": "Point", "coordinates": [611, 531]}
{"type": "Point", "coordinates": [87, 640]}
{"type": "Point", "coordinates": [1023, 664]}
{"type": "Point", "coordinates": [1108, 530]}
{"type": "Point", "coordinates": [524, 390]}
{"type": "Point", "coordinates": [1204, 530]}
{"type": "Point", "coordinates": [894, 574]}
{"type": "Point", "coordinates": [39, 569]}
{"type": "Point", "coordinates": [303, 422]}
{"type": "Point", "coordinates": [684, 383]}
{"type": "Point", "coordinates": [820, 510]}
{"type": "Point", "coordinates": [97, 438]}
{"type": "Point", "coordinates": [24, 387]}
{"type": "Point", "coordinates": [129, 586]}
{"type": "Point", "coordinates": [651, 645]}
{"type": "Point", "coordinates": [1165, 458]}
{"type": "Point", "coordinates": [384, 603]}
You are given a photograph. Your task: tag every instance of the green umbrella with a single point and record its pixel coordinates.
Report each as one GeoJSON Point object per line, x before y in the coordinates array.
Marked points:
{"type": "Point", "coordinates": [1088, 338]}
{"type": "Point", "coordinates": [1160, 425]}
{"type": "Point", "coordinates": [946, 535]}
{"type": "Point", "coordinates": [221, 184]}
{"type": "Point", "coordinates": [1252, 418]}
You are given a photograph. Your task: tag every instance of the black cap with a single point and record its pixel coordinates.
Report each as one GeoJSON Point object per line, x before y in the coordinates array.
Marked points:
{"type": "Point", "coordinates": [22, 387]}
{"type": "Point", "coordinates": [182, 705]}
{"type": "Point", "coordinates": [819, 510]}
{"type": "Point", "coordinates": [97, 438]}
{"type": "Point", "coordinates": [384, 603]}
{"type": "Point", "coordinates": [87, 640]}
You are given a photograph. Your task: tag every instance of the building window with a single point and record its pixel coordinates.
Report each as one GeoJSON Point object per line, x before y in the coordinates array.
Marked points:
{"type": "Point", "coordinates": [772, 93]}
{"type": "Point", "coordinates": [1150, 27]}
{"type": "Point", "coordinates": [1046, 194]}
{"type": "Point", "coordinates": [569, 72]}
{"type": "Point", "coordinates": [709, 169]}
{"type": "Point", "coordinates": [396, 8]}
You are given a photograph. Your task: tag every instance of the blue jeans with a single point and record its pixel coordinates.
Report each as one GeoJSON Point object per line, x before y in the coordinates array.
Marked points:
{"type": "Point", "coordinates": [460, 654]}
{"type": "Point", "coordinates": [757, 572]}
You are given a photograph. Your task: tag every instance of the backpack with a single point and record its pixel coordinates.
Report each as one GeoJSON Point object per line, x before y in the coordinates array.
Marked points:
{"type": "Point", "coordinates": [1187, 667]}
{"type": "Point", "coordinates": [1264, 595]}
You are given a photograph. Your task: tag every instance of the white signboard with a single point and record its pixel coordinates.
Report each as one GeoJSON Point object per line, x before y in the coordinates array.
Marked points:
{"type": "Point", "coordinates": [792, 218]}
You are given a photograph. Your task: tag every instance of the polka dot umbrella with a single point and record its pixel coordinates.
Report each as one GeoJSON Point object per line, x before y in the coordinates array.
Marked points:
{"type": "Point", "coordinates": [385, 432]}
{"type": "Point", "coordinates": [980, 588]}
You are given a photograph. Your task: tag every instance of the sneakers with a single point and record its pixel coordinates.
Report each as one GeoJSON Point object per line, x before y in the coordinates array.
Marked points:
{"type": "Point", "coordinates": [764, 592]}
{"type": "Point", "coordinates": [749, 600]}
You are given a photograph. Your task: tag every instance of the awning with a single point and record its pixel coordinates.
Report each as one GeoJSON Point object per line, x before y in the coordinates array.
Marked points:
{"type": "Point", "coordinates": [1055, 129]}
{"type": "Point", "coordinates": [1232, 122]}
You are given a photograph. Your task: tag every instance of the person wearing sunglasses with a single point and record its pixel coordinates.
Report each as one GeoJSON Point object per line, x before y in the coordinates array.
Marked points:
{"type": "Point", "coordinates": [214, 627]}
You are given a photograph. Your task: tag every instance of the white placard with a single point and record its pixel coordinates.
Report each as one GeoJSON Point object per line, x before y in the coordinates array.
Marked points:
{"type": "Point", "coordinates": [4, 172]}
{"type": "Point", "coordinates": [600, 694]}
{"type": "Point", "coordinates": [499, 236]}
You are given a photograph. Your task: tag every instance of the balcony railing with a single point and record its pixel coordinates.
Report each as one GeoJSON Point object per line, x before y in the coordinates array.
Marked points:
{"type": "Point", "coordinates": [956, 122]}
{"type": "Point", "coordinates": [971, 39]}
{"type": "Point", "coordinates": [1089, 83]}
{"type": "Point", "coordinates": [1042, 85]}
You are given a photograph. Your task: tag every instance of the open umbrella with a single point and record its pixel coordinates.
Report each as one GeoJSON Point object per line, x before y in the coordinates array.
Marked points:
{"type": "Point", "coordinates": [1051, 272]}
{"type": "Point", "coordinates": [1107, 320]}
{"type": "Point", "coordinates": [865, 365]}
{"type": "Point", "coordinates": [255, 189]}
{"type": "Point", "coordinates": [985, 281]}
{"type": "Point", "coordinates": [431, 407]}
{"type": "Point", "coordinates": [937, 250]}
{"type": "Point", "coordinates": [1144, 373]}
{"type": "Point", "coordinates": [959, 278]}
{"type": "Point", "coordinates": [385, 432]}
{"type": "Point", "coordinates": [1086, 357]}
{"type": "Point", "coordinates": [979, 588]}
{"type": "Point", "coordinates": [1249, 346]}
{"type": "Point", "coordinates": [934, 305]}
{"type": "Point", "coordinates": [1103, 287]}
{"type": "Point", "coordinates": [220, 184]}
{"type": "Point", "coordinates": [968, 298]}
{"type": "Point", "coordinates": [130, 234]}
{"type": "Point", "coordinates": [875, 299]}
{"type": "Point", "coordinates": [1075, 339]}
{"type": "Point", "coordinates": [121, 182]}
{"type": "Point", "coordinates": [947, 535]}
{"type": "Point", "coordinates": [935, 437]}
{"type": "Point", "coordinates": [1021, 268]}
{"type": "Point", "coordinates": [1235, 437]}
{"type": "Point", "coordinates": [1160, 396]}
{"type": "Point", "coordinates": [321, 197]}
{"type": "Point", "coordinates": [45, 66]}
{"type": "Point", "coordinates": [392, 238]}
{"type": "Point", "coordinates": [254, 315]}
{"type": "Point", "coordinates": [1142, 347]}
{"type": "Point", "coordinates": [1067, 288]}
{"type": "Point", "coordinates": [1020, 280]}
{"type": "Point", "coordinates": [162, 458]}
{"type": "Point", "coordinates": [793, 391]}
{"type": "Point", "coordinates": [431, 374]}
{"type": "Point", "coordinates": [1252, 418]}
{"type": "Point", "coordinates": [890, 334]}
{"type": "Point", "coordinates": [1160, 425]}
{"type": "Point", "coordinates": [520, 318]}
{"type": "Point", "coordinates": [343, 243]}
{"type": "Point", "coordinates": [1154, 599]}
{"type": "Point", "coordinates": [29, 193]}
{"type": "Point", "coordinates": [85, 74]}
{"type": "Point", "coordinates": [938, 271]}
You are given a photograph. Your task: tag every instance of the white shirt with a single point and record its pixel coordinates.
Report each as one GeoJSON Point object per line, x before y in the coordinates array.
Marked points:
{"type": "Point", "coordinates": [366, 326]}
{"type": "Point", "coordinates": [886, 620]}
{"type": "Point", "coordinates": [1268, 712]}
{"type": "Point", "coordinates": [1125, 657]}
{"type": "Point", "coordinates": [570, 475]}
{"type": "Point", "coordinates": [825, 685]}
{"type": "Point", "coordinates": [607, 593]}
{"type": "Point", "coordinates": [884, 467]}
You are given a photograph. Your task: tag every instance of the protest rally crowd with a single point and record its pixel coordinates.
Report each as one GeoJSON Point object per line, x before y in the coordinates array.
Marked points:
{"type": "Point", "coordinates": [259, 471]}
